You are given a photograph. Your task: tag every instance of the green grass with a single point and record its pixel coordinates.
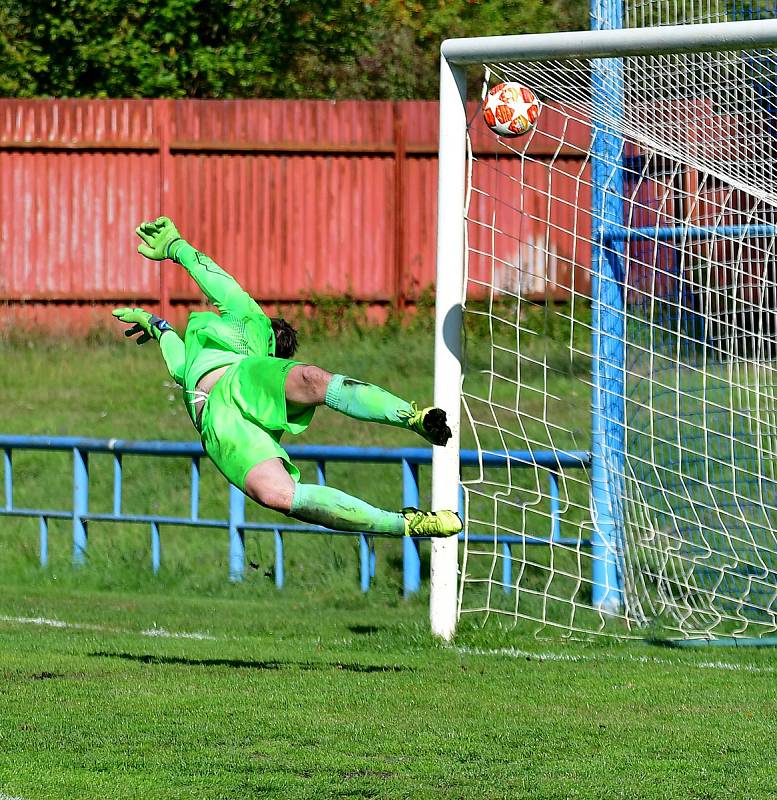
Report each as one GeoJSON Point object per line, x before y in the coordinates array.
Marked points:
{"type": "Point", "coordinates": [316, 690]}
{"type": "Point", "coordinates": [333, 695]}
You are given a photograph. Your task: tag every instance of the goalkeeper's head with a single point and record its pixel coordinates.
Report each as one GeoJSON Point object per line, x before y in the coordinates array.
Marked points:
{"type": "Point", "coordinates": [285, 338]}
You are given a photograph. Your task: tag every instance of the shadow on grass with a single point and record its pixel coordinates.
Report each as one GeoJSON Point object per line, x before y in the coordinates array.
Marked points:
{"type": "Point", "coordinates": [239, 663]}
{"type": "Point", "coordinates": [364, 630]}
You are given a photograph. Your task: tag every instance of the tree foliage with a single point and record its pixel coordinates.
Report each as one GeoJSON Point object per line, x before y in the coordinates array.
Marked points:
{"type": "Point", "coordinates": [248, 48]}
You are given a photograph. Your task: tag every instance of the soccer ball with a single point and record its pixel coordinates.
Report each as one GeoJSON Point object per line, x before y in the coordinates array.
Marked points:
{"type": "Point", "coordinates": [511, 109]}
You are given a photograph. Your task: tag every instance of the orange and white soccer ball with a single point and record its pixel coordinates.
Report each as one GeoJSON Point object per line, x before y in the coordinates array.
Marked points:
{"type": "Point", "coordinates": [511, 109]}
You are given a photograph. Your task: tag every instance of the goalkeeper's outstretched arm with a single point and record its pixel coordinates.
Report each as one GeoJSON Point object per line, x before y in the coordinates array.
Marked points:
{"type": "Point", "coordinates": [149, 326]}
{"type": "Point", "coordinates": [161, 240]}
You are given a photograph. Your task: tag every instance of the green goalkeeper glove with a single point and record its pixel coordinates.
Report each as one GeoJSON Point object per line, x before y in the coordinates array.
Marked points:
{"type": "Point", "coordinates": [148, 325]}
{"type": "Point", "coordinates": [160, 239]}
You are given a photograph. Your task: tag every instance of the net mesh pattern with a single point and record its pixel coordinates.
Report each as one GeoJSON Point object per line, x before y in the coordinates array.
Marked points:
{"type": "Point", "coordinates": [649, 13]}
{"type": "Point", "coordinates": [664, 166]}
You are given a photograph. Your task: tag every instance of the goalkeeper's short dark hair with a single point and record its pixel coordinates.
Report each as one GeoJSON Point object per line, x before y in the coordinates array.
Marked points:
{"type": "Point", "coordinates": [285, 338]}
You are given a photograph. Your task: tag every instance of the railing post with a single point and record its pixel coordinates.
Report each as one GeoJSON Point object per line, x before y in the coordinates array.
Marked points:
{"type": "Point", "coordinates": [117, 484]}
{"type": "Point", "coordinates": [44, 542]}
{"type": "Point", "coordinates": [80, 503]}
{"type": "Point", "coordinates": [411, 558]}
{"type": "Point", "coordinates": [8, 478]}
{"type": "Point", "coordinates": [156, 548]}
{"type": "Point", "coordinates": [364, 562]}
{"type": "Point", "coordinates": [507, 568]}
{"type": "Point", "coordinates": [279, 573]}
{"type": "Point", "coordinates": [195, 498]}
{"type": "Point", "coordinates": [555, 511]}
{"type": "Point", "coordinates": [237, 508]}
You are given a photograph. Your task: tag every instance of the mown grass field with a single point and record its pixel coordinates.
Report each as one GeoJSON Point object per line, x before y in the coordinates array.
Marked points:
{"type": "Point", "coordinates": [328, 694]}
{"type": "Point", "coordinates": [115, 683]}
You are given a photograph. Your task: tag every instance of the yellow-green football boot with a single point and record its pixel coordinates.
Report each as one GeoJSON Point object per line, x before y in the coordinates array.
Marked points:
{"type": "Point", "coordinates": [431, 423]}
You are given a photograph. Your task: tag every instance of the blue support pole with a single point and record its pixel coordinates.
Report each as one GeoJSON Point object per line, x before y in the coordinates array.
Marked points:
{"type": "Point", "coordinates": [555, 511]}
{"type": "Point", "coordinates": [608, 320]}
{"type": "Point", "coordinates": [156, 548]}
{"type": "Point", "coordinates": [364, 562]}
{"type": "Point", "coordinates": [507, 568]}
{"type": "Point", "coordinates": [195, 482]}
{"type": "Point", "coordinates": [237, 554]}
{"type": "Point", "coordinates": [411, 557]}
{"type": "Point", "coordinates": [44, 542]}
{"type": "Point", "coordinates": [117, 484]}
{"type": "Point", "coordinates": [8, 478]}
{"type": "Point", "coordinates": [279, 575]}
{"type": "Point", "coordinates": [80, 503]}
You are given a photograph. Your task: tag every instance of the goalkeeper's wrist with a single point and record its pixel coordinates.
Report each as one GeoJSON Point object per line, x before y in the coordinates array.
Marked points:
{"type": "Point", "coordinates": [159, 326]}
{"type": "Point", "coordinates": [172, 248]}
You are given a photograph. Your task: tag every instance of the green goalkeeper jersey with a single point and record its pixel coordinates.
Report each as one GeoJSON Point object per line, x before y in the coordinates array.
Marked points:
{"type": "Point", "coordinates": [215, 340]}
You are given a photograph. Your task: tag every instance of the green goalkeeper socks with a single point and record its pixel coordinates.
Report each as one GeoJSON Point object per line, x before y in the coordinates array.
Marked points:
{"type": "Point", "coordinates": [367, 402]}
{"type": "Point", "coordinates": [323, 505]}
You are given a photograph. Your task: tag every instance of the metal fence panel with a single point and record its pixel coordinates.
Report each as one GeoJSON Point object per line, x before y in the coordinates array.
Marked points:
{"type": "Point", "coordinates": [296, 198]}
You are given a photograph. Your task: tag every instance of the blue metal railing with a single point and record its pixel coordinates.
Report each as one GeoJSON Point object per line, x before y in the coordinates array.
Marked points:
{"type": "Point", "coordinates": [236, 524]}
{"type": "Point", "coordinates": [687, 233]}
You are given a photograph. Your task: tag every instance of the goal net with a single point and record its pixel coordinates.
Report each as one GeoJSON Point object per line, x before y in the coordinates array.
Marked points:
{"type": "Point", "coordinates": [619, 336]}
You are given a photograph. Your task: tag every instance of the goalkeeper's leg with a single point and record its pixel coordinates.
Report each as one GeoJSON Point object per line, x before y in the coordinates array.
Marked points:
{"type": "Point", "coordinates": [307, 385]}
{"type": "Point", "coordinates": [270, 485]}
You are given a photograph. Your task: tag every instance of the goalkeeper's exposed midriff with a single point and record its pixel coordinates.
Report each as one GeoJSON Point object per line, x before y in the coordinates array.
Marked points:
{"type": "Point", "coordinates": [243, 391]}
{"type": "Point", "coordinates": [202, 390]}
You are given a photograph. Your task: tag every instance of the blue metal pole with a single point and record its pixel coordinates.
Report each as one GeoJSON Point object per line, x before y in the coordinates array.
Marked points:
{"type": "Point", "coordinates": [688, 233]}
{"type": "Point", "coordinates": [80, 503]}
{"type": "Point", "coordinates": [555, 511]}
{"type": "Point", "coordinates": [8, 478]}
{"type": "Point", "coordinates": [364, 562]}
{"type": "Point", "coordinates": [237, 508]}
{"type": "Point", "coordinates": [44, 541]}
{"type": "Point", "coordinates": [411, 557]}
{"type": "Point", "coordinates": [117, 484]}
{"type": "Point", "coordinates": [507, 567]}
{"type": "Point", "coordinates": [195, 477]}
{"type": "Point", "coordinates": [156, 548]}
{"type": "Point", "coordinates": [373, 455]}
{"type": "Point", "coordinates": [279, 575]}
{"type": "Point", "coordinates": [608, 306]}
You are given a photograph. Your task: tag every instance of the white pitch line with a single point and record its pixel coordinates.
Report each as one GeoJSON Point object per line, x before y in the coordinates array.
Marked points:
{"type": "Point", "coordinates": [512, 652]}
{"type": "Point", "coordinates": [174, 635]}
{"type": "Point", "coordinates": [50, 623]}
{"type": "Point", "coordinates": [4, 796]}
{"type": "Point", "coordinates": [61, 624]}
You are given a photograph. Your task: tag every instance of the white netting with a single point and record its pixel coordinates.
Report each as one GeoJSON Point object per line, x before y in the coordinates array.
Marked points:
{"type": "Point", "coordinates": [652, 13]}
{"type": "Point", "coordinates": [691, 415]}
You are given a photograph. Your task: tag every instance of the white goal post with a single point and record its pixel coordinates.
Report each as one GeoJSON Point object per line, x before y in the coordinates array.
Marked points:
{"type": "Point", "coordinates": [624, 186]}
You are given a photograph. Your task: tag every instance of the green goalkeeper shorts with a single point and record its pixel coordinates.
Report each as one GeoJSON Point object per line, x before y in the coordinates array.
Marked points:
{"type": "Point", "coordinates": [245, 416]}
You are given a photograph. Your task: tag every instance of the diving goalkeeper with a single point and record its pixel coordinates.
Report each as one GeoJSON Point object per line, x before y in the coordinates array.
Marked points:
{"type": "Point", "coordinates": [243, 391]}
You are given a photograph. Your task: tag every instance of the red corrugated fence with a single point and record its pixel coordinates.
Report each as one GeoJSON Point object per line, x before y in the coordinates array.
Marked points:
{"type": "Point", "coordinates": [295, 198]}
